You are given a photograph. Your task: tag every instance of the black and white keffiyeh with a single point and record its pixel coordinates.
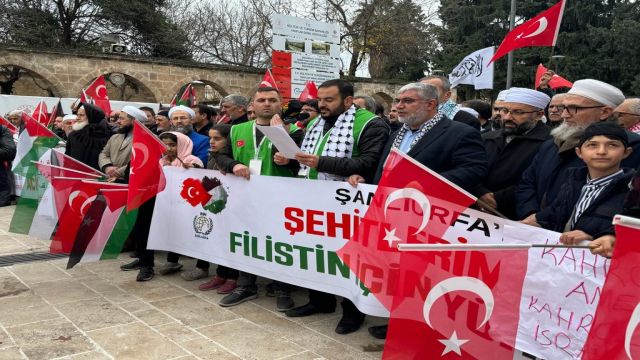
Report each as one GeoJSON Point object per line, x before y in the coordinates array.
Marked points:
{"type": "Point", "coordinates": [339, 144]}
{"type": "Point", "coordinates": [424, 128]}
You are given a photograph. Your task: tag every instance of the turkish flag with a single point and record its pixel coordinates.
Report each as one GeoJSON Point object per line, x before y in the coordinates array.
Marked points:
{"type": "Point", "coordinates": [146, 178]}
{"type": "Point", "coordinates": [614, 334]}
{"type": "Point", "coordinates": [6, 123]}
{"type": "Point", "coordinates": [40, 113]}
{"type": "Point", "coordinates": [542, 30]}
{"type": "Point", "coordinates": [556, 81]}
{"type": "Point", "coordinates": [268, 80]}
{"type": "Point", "coordinates": [98, 92]}
{"type": "Point", "coordinates": [310, 92]}
{"type": "Point", "coordinates": [82, 194]}
{"type": "Point", "coordinates": [412, 204]}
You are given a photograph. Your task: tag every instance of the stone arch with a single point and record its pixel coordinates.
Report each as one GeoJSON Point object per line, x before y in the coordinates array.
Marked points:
{"type": "Point", "coordinates": [199, 78]}
{"type": "Point", "coordinates": [139, 91]}
{"type": "Point", "coordinates": [39, 77]}
{"type": "Point", "coordinates": [384, 99]}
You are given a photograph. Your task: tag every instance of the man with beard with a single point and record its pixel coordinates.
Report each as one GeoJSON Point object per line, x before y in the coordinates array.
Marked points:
{"type": "Point", "coordinates": [182, 119]}
{"type": "Point", "coordinates": [343, 141]}
{"type": "Point", "coordinates": [554, 113]}
{"type": "Point", "coordinates": [234, 109]}
{"type": "Point", "coordinates": [90, 135]}
{"type": "Point", "coordinates": [451, 149]}
{"type": "Point", "coordinates": [511, 149]}
{"type": "Point", "coordinates": [628, 115]}
{"type": "Point", "coordinates": [587, 102]}
{"type": "Point", "coordinates": [253, 153]}
{"type": "Point", "coordinates": [495, 110]}
{"type": "Point", "coordinates": [162, 122]}
{"type": "Point", "coordinates": [116, 154]}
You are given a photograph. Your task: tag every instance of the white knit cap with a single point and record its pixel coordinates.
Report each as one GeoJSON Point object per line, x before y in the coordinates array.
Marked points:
{"type": "Point", "coordinates": [186, 109]}
{"type": "Point", "coordinates": [69, 117]}
{"type": "Point", "coordinates": [605, 94]}
{"type": "Point", "coordinates": [470, 111]}
{"type": "Point", "coordinates": [537, 99]}
{"type": "Point", "coordinates": [135, 112]}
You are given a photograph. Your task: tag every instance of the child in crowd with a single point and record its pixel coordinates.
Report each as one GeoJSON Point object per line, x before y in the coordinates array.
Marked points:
{"type": "Point", "coordinates": [179, 153]}
{"type": "Point", "coordinates": [586, 204]}
{"type": "Point", "coordinates": [225, 279]}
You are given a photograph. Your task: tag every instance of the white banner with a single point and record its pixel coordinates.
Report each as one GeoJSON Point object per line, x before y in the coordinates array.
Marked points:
{"type": "Point", "coordinates": [473, 70]}
{"type": "Point", "coordinates": [305, 29]}
{"type": "Point", "coordinates": [289, 229]}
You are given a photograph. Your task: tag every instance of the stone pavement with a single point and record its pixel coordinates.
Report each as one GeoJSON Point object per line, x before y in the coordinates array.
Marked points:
{"type": "Point", "coordinates": [96, 311]}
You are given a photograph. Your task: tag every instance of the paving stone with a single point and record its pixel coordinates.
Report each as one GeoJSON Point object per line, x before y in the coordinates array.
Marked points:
{"type": "Point", "coordinates": [62, 291]}
{"type": "Point", "coordinates": [136, 342]}
{"type": "Point", "coordinates": [11, 286]}
{"type": "Point", "coordinates": [94, 314]}
{"type": "Point", "coordinates": [193, 311]}
{"type": "Point", "coordinates": [208, 350]}
{"type": "Point", "coordinates": [18, 310]}
{"type": "Point", "coordinates": [11, 353]}
{"type": "Point", "coordinates": [49, 339]}
{"type": "Point", "coordinates": [36, 272]}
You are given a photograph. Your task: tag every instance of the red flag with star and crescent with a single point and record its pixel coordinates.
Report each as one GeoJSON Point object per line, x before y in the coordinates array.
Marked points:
{"type": "Point", "coordinates": [40, 113]}
{"type": "Point", "coordinates": [443, 304]}
{"type": "Point", "coordinates": [541, 30]}
{"type": "Point", "coordinates": [97, 91]}
{"type": "Point", "coordinates": [614, 333]}
{"type": "Point", "coordinates": [268, 80]}
{"type": "Point", "coordinates": [146, 178]}
{"type": "Point", "coordinates": [556, 81]}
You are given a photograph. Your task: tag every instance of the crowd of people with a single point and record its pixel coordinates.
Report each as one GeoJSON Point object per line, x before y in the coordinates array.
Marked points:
{"type": "Point", "coordinates": [565, 162]}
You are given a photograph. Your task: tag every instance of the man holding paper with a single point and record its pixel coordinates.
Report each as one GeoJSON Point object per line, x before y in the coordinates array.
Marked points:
{"type": "Point", "coordinates": [253, 155]}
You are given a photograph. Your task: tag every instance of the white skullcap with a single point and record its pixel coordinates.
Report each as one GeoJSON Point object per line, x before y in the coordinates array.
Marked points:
{"type": "Point", "coordinates": [186, 109]}
{"type": "Point", "coordinates": [15, 112]}
{"type": "Point", "coordinates": [69, 117]}
{"type": "Point", "coordinates": [502, 95]}
{"type": "Point", "coordinates": [605, 94]}
{"type": "Point", "coordinates": [535, 98]}
{"type": "Point", "coordinates": [470, 111]}
{"type": "Point", "coordinates": [135, 112]}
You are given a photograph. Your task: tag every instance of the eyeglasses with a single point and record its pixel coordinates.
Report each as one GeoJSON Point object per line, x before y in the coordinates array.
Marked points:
{"type": "Point", "coordinates": [618, 113]}
{"type": "Point", "coordinates": [405, 101]}
{"type": "Point", "coordinates": [515, 112]}
{"type": "Point", "coordinates": [573, 109]}
{"type": "Point", "coordinates": [497, 109]}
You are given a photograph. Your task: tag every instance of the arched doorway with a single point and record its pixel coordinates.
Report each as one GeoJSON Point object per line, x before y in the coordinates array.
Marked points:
{"type": "Point", "coordinates": [18, 80]}
{"type": "Point", "coordinates": [124, 87]}
{"type": "Point", "coordinates": [207, 92]}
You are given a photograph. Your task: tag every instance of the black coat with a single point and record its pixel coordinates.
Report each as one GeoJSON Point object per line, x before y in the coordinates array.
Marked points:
{"type": "Point", "coordinates": [86, 144]}
{"type": "Point", "coordinates": [7, 154]}
{"type": "Point", "coordinates": [543, 178]}
{"type": "Point", "coordinates": [507, 162]}
{"type": "Point", "coordinates": [596, 219]}
{"type": "Point", "coordinates": [466, 118]}
{"type": "Point", "coordinates": [451, 149]}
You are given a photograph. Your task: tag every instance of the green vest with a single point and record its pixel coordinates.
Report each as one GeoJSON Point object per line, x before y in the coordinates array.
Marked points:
{"type": "Point", "coordinates": [244, 149]}
{"type": "Point", "coordinates": [362, 118]}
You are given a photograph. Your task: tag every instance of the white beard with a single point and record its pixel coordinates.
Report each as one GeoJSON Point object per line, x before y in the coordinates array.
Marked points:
{"type": "Point", "coordinates": [565, 131]}
{"type": "Point", "coordinates": [79, 126]}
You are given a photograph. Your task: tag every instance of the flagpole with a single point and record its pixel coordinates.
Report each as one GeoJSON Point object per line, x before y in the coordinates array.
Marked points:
{"type": "Point", "coordinates": [512, 23]}
{"type": "Point", "coordinates": [470, 247]}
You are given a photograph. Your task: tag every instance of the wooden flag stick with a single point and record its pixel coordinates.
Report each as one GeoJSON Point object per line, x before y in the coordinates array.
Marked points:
{"type": "Point", "coordinates": [470, 247]}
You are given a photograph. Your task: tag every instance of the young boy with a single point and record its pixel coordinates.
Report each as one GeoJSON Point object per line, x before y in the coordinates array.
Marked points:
{"type": "Point", "coordinates": [593, 194]}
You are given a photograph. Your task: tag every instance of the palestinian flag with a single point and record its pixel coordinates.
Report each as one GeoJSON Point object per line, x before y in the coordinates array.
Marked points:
{"type": "Point", "coordinates": [104, 228]}
{"type": "Point", "coordinates": [55, 112]}
{"type": "Point", "coordinates": [34, 144]}
{"type": "Point", "coordinates": [188, 97]}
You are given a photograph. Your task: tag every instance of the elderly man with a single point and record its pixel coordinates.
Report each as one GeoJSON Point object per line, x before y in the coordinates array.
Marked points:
{"type": "Point", "coordinates": [628, 115]}
{"type": "Point", "coordinates": [163, 123]}
{"type": "Point", "coordinates": [234, 107]}
{"type": "Point", "coordinates": [182, 120]}
{"type": "Point", "coordinates": [90, 135]}
{"type": "Point", "coordinates": [554, 113]}
{"type": "Point", "coordinates": [116, 154]}
{"type": "Point", "coordinates": [365, 102]}
{"type": "Point", "coordinates": [67, 124]}
{"type": "Point", "coordinates": [446, 106]}
{"type": "Point", "coordinates": [452, 149]}
{"type": "Point", "coordinates": [587, 102]}
{"type": "Point", "coordinates": [511, 149]}
{"type": "Point", "coordinates": [15, 117]}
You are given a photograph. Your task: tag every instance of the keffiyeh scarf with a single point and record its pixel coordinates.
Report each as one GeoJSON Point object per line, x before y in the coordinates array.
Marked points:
{"type": "Point", "coordinates": [424, 129]}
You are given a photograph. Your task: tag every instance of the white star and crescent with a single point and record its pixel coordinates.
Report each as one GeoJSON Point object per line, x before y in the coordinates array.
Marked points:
{"type": "Point", "coordinates": [139, 147]}
{"type": "Point", "coordinates": [542, 26]}
{"type": "Point", "coordinates": [415, 195]}
{"type": "Point", "coordinates": [101, 88]}
{"type": "Point", "coordinates": [390, 236]}
{"type": "Point", "coordinates": [458, 283]}
{"type": "Point", "coordinates": [634, 320]}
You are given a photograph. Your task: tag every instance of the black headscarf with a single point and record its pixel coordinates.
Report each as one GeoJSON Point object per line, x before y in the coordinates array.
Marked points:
{"type": "Point", "coordinates": [86, 144]}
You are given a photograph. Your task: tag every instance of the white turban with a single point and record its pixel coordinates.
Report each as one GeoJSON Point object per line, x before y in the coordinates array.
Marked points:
{"type": "Point", "coordinates": [135, 112]}
{"type": "Point", "coordinates": [69, 117]}
{"type": "Point", "coordinates": [15, 112]}
{"type": "Point", "coordinates": [537, 99]}
{"type": "Point", "coordinates": [605, 94]}
{"type": "Point", "coordinates": [186, 109]}
{"type": "Point", "coordinates": [502, 95]}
